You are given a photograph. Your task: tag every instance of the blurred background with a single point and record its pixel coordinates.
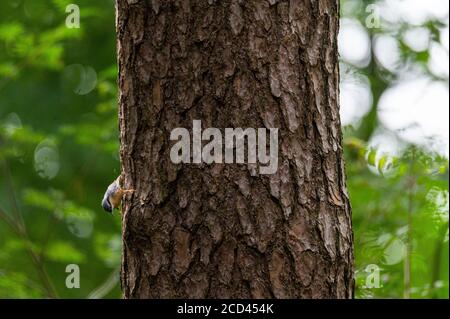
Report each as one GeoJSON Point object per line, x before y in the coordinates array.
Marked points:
{"type": "Point", "coordinates": [59, 146]}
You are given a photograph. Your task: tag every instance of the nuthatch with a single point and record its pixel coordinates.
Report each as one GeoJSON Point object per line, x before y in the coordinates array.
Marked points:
{"type": "Point", "coordinates": [113, 196]}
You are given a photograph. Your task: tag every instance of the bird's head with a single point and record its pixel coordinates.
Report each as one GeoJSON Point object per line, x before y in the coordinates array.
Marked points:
{"type": "Point", "coordinates": [106, 204]}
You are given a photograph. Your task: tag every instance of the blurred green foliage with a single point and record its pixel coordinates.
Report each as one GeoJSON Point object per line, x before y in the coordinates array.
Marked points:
{"type": "Point", "coordinates": [400, 200]}
{"type": "Point", "coordinates": [59, 150]}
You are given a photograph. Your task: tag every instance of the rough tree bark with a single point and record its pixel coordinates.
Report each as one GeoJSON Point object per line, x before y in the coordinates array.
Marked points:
{"type": "Point", "coordinates": [223, 230]}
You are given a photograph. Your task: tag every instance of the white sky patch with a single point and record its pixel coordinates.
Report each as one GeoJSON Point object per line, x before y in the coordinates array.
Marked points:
{"type": "Point", "coordinates": [418, 39]}
{"type": "Point", "coordinates": [354, 43]}
{"type": "Point", "coordinates": [445, 37]}
{"type": "Point", "coordinates": [438, 63]}
{"type": "Point", "coordinates": [355, 99]}
{"type": "Point", "coordinates": [418, 109]}
{"type": "Point", "coordinates": [385, 142]}
{"type": "Point", "coordinates": [387, 52]}
{"type": "Point", "coordinates": [387, 146]}
{"type": "Point", "coordinates": [415, 12]}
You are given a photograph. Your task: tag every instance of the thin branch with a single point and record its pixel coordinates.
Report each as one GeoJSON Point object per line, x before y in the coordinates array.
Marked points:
{"type": "Point", "coordinates": [19, 227]}
{"type": "Point", "coordinates": [436, 267]}
{"type": "Point", "coordinates": [42, 273]}
{"type": "Point", "coordinates": [106, 287]}
{"type": "Point", "coordinates": [407, 263]}
{"type": "Point", "coordinates": [10, 187]}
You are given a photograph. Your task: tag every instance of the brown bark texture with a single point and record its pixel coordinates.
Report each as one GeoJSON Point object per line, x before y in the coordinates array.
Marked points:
{"type": "Point", "coordinates": [224, 230]}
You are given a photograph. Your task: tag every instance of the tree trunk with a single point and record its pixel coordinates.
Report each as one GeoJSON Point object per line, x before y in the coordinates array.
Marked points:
{"type": "Point", "coordinates": [225, 230]}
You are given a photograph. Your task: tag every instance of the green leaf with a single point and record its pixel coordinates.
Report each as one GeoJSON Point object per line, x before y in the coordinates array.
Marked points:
{"type": "Point", "coordinates": [60, 251]}
{"type": "Point", "coordinates": [11, 31]}
{"type": "Point", "coordinates": [382, 163]}
{"type": "Point", "coordinates": [371, 158]}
